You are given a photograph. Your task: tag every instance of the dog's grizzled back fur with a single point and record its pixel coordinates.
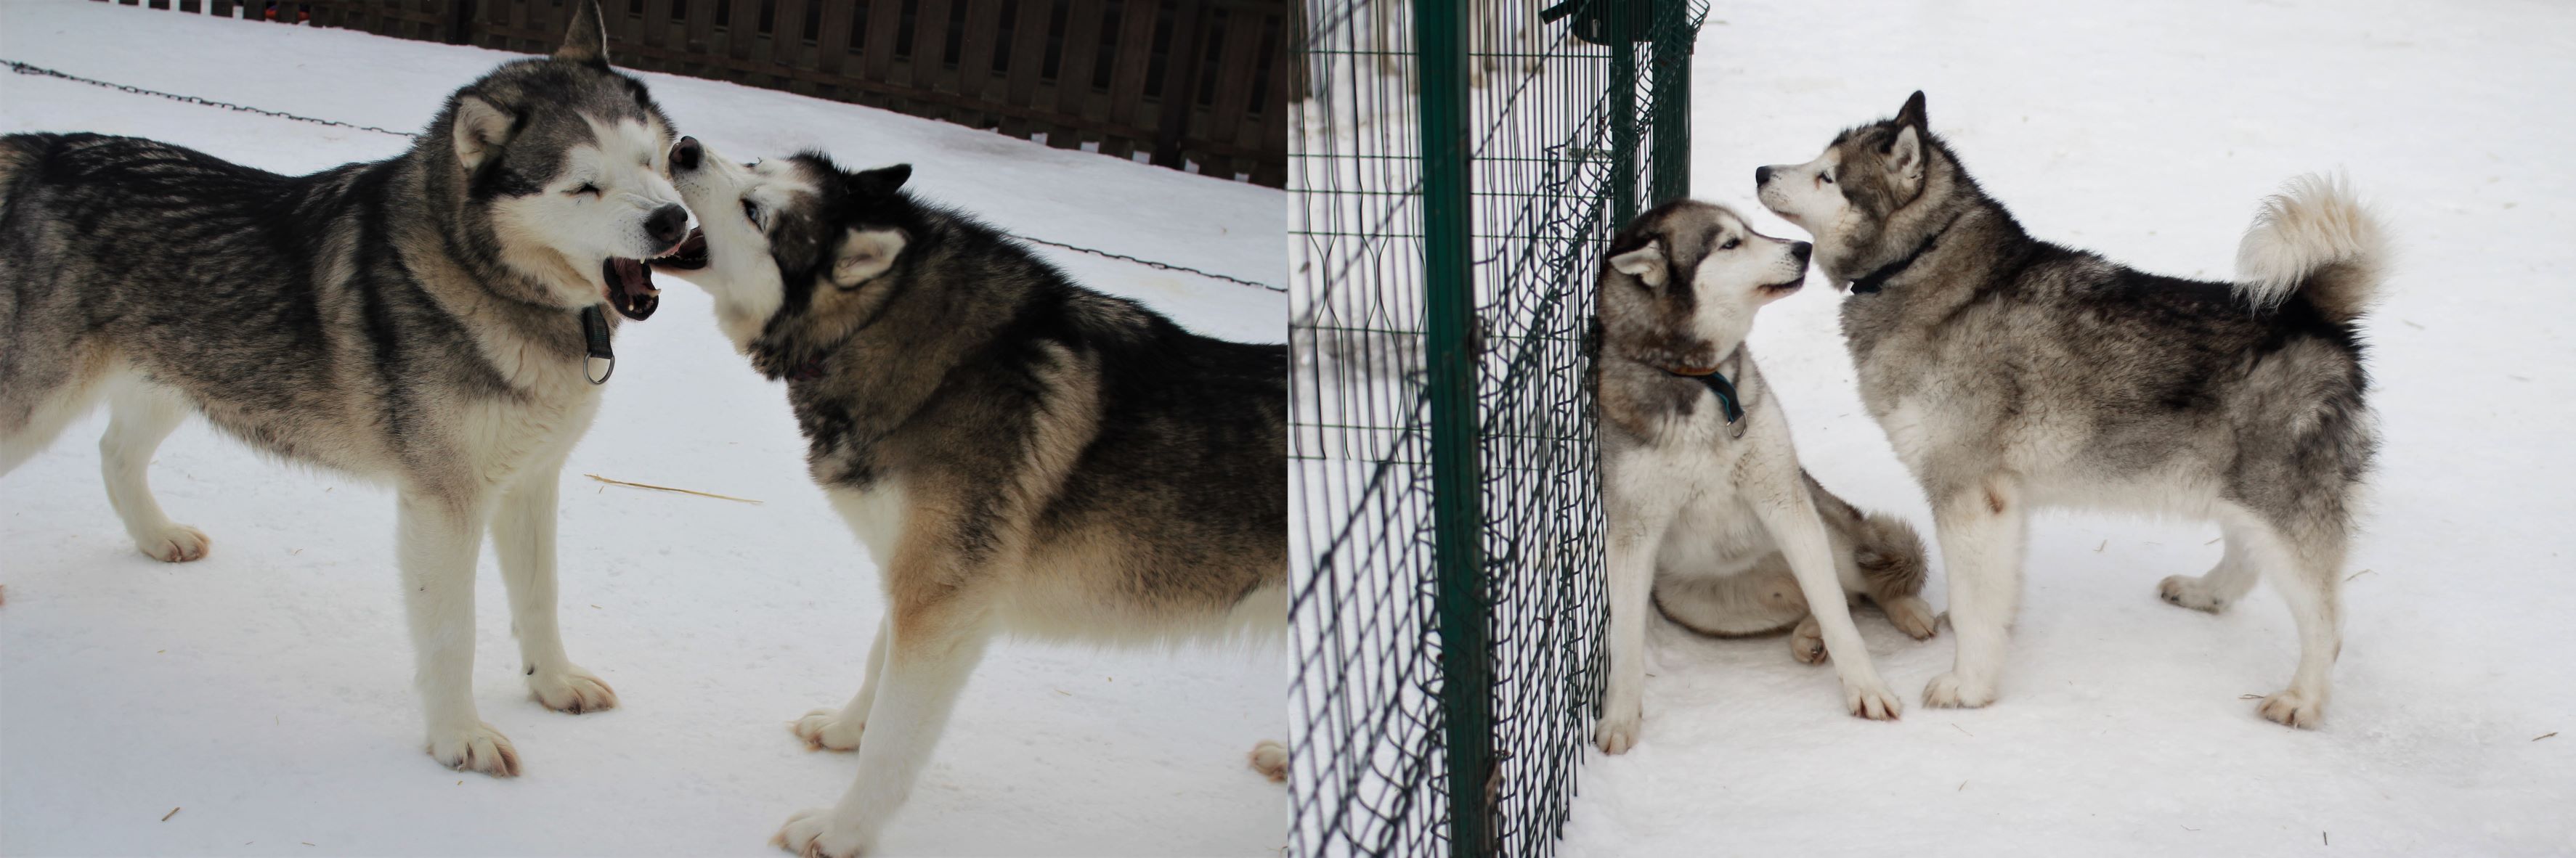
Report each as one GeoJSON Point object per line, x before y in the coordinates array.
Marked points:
{"type": "Point", "coordinates": [1040, 416]}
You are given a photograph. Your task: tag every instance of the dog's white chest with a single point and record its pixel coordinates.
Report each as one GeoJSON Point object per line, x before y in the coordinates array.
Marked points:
{"type": "Point", "coordinates": [875, 513]}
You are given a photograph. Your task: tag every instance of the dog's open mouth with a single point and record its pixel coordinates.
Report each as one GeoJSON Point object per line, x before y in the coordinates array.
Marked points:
{"type": "Point", "coordinates": [630, 281]}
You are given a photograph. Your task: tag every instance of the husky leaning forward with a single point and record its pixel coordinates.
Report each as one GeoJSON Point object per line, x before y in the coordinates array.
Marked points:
{"type": "Point", "coordinates": [418, 321]}
{"type": "Point", "coordinates": [1019, 454]}
{"type": "Point", "coordinates": [2012, 373]}
{"type": "Point", "coordinates": [1700, 483]}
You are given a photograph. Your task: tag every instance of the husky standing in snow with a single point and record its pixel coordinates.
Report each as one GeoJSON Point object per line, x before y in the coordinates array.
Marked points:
{"type": "Point", "coordinates": [1020, 455]}
{"type": "Point", "coordinates": [2011, 373]}
{"type": "Point", "coordinates": [420, 321]}
{"type": "Point", "coordinates": [1704, 498]}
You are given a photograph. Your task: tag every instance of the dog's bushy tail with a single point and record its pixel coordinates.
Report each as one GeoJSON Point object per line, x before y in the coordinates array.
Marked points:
{"type": "Point", "coordinates": [1889, 553]}
{"type": "Point", "coordinates": [2313, 239]}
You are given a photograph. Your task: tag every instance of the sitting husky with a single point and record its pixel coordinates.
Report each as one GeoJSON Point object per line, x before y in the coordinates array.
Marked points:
{"type": "Point", "coordinates": [1019, 454]}
{"type": "Point", "coordinates": [420, 321]}
{"type": "Point", "coordinates": [1699, 479]}
{"type": "Point", "coordinates": [1759, 596]}
{"type": "Point", "coordinates": [2012, 373]}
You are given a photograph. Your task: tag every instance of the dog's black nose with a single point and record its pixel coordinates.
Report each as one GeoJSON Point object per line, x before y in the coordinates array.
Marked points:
{"type": "Point", "coordinates": [667, 225]}
{"type": "Point", "coordinates": [1761, 176]}
{"type": "Point", "coordinates": [685, 155]}
{"type": "Point", "coordinates": [1802, 250]}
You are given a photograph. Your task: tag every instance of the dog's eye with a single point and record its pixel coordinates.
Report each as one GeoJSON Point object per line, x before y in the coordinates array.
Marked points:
{"type": "Point", "coordinates": [586, 188]}
{"type": "Point", "coordinates": [1731, 243]}
{"type": "Point", "coordinates": [1827, 178]}
{"type": "Point", "coordinates": [751, 211]}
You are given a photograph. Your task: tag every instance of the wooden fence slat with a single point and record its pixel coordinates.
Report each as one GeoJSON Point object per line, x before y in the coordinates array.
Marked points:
{"type": "Point", "coordinates": [994, 81]}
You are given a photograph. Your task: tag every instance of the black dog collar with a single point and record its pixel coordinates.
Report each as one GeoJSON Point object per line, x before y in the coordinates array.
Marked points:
{"type": "Point", "coordinates": [594, 335]}
{"type": "Point", "coordinates": [1872, 282]}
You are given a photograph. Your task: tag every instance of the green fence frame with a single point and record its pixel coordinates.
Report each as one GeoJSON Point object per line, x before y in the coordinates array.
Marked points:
{"type": "Point", "coordinates": [1456, 177]}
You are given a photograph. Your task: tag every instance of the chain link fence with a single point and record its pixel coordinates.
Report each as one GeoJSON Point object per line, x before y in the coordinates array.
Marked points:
{"type": "Point", "coordinates": [1457, 168]}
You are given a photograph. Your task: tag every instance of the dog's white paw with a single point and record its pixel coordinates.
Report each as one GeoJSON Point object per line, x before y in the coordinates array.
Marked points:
{"type": "Point", "coordinates": [571, 689]}
{"type": "Point", "coordinates": [1872, 701]}
{"type": "Point", "coordinates": [823, 728]}
{"type": "Point", "coordinates": [1270, 758]}
{"type": "Point", "coordinates": [1948, 691]}
{"type": "Point", "coordinates": [1618, 732]}
{"type": "Point", "coordinates": [1807, 643]}
{"type": "Point", "coordinates": [810, 833]}
{"type": "Point", "coordinates": [2190, 592]}
{"type": "Point", "coordinates": [2294, 709]}
{"type": "Point", "coordinates": [476, 749]}
{"type": "Point", "coordinates": [176, 543]}
{"type": "Point", "coordinates": [1911, 615]}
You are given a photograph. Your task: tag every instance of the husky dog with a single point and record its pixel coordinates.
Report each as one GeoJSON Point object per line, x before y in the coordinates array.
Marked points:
{"type": "Point", "coordinates": [2011, 373]}
{"type": "Point", "coordinates": [1018, 454]}
{"type": "Point", "coordinates": [418, 321]}
{"type": "Point", "coordinates": [1699, 478]}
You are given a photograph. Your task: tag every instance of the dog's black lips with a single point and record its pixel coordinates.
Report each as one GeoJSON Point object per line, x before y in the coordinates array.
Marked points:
{"type": "Point", "coordinates": [691, 255]}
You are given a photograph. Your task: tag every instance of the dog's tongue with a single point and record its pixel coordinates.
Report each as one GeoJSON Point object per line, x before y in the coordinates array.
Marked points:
{"type": "Point", "coordinates": [630, 288]}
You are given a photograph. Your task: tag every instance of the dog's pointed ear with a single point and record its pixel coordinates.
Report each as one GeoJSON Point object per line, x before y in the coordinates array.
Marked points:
{"type": "Point", "coordinates": [586, 40]}
{"type": "Point", "coordinates": [1911, 114]}
{"type": "Point", "coordinates": [866, 253]}
{"type": "Point", "coordinates": [880, 181]}
{"type": "Point", "coordinates": [1644, 263]}
{"type": "Point", "coordinates": [481, 129]}
{"type": "Point", "coordinates": [1904, 156]}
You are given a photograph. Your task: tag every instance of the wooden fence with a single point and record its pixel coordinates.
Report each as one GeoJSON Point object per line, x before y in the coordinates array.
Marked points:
{"type": "Point", "coordinates": [1195, 82]}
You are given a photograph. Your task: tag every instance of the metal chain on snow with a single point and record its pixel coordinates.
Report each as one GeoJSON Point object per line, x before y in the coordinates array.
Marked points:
{"type": "Point", "coordinates": [40, 71]}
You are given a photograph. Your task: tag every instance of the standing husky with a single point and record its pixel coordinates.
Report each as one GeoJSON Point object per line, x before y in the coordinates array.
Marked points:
{"type": "Point", "coordinates": [418, 321]}
{"type": "Point", "coordinates": [2012, 373]}
{"type": "Point", "coordinates": [1019, 454]}
{"type": "Point", "coordinates": [1699, 479]}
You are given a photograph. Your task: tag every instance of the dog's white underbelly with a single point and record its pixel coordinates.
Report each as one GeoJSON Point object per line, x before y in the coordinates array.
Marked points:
{"type": "Point", "coordinates": [1688, 480]}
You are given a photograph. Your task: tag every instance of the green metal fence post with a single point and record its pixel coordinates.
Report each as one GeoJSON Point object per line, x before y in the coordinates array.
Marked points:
{"type": "Point", "coordinates": [1440, 51]}
{"type": "Point", "coordinates": [1623, 111]}
{"type": "Point", "coordinates": [1674, 44]}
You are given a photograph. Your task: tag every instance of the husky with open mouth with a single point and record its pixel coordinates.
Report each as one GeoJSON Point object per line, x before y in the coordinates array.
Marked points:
{"type": "Point", "coordinates": [428, 321]}
{"type": "Point", "coordinates": [1019, 455]}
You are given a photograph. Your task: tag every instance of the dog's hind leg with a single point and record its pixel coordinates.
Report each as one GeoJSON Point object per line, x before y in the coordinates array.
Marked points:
{"type": "Point", "coordinates": [2224, 585]}
{"type": "Point", "coordinates": [2304, 560]}
{"type": "Point", "coordinates": [45, 419]}
{"type": "Point", "coordinates": [438, 535]}
{"type": "Point", "coordinates": [523, 537]}
{"type": "Point", "coordinates": [936, 637]}
{"type": "Point", "coordinates": [839, 729]}
{"type": "Point", "coordinates": [1981, 528]}
{"type": "Point", "coordinates": [140, 415]}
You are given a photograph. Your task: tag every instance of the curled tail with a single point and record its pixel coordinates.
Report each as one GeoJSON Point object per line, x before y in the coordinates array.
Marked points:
{"type": "Point", "coordinates": [2316, 240]}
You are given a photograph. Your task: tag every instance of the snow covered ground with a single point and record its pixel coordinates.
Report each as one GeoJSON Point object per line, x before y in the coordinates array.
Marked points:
{"type": "Point", "coordinates": [2147, 131]}
{"type": "Point", "coordinates": [130, 687]}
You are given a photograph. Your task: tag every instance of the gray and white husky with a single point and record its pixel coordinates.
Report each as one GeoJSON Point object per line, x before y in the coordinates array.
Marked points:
{"type": "Point", "coordinates": [418, 321]}
{"type": "Point", "coordinates": [2012, 374]}
{"type": "Point", "coordinates": [1019, 455]}
{"type": "Point", "coordinates": [1705, 501]}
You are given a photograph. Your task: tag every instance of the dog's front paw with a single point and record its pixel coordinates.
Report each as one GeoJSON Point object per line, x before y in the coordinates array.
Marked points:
{"type": "Point", "coordinates": [824, 728]}
{"type": "Point", "coordinates": [1270, 758]}
{"type": "Point", "coordinates": [1948, 691]}
{"type": "Point", "coordinates": [1807, 643]}
{"type": "Point", "coordinates": [476, 749]}
{"type": "Point", "coordinates": [1618, 732]}
{"type": "Point", "coordinates": [810, 833]}
{"type": "Point", "coordinates": [2294, 709]}
{"type": "Point", "coordinates": [571, 689]}
{"type": "Point", "coordinates": [2190, 592]}
{"type": "Point", "coordinates": [176, 543]}
{"type": "Point", "coordinates": [1912, 616]}
{"type": "Point", "coordinates": [1872, 701]}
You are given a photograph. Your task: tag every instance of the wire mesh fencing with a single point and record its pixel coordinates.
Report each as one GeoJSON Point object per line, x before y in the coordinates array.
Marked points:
{"type": "Point", "coordinates": [1457, 168]}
